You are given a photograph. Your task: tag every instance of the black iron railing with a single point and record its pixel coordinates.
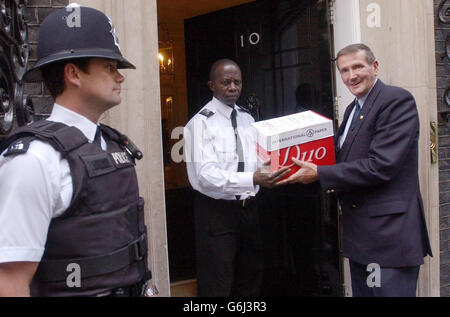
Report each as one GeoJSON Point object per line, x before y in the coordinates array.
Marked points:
{"type": "Point", "coordinates": [16, 108]}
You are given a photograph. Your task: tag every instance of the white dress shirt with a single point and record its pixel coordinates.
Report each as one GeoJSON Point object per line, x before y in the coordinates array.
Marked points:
{"type": "Point", "coordinates": [210, 152]}
{"type": "Point", "coordinates": [361, 102]}
{"type": "Point", "coordinates": [34, 188]}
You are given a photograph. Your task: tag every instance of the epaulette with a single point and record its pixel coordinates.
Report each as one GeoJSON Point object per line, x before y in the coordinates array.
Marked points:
{"type": "Point", "coordinates": [19, 146]}
{"type": "Point", "coordinates": [207, 113]}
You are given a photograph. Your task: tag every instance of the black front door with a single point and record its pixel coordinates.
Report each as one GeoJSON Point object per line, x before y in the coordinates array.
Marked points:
{"type": "Point", "coordinates": [283, 49]}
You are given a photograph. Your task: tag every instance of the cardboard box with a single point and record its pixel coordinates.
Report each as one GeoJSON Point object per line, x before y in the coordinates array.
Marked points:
{"type": "Point", "coordinates": [306, 136]}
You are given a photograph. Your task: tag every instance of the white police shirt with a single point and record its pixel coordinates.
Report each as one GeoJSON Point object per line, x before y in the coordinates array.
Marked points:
{"type": "Point", "coordinates": [210, 152]}
{"type": "Point", "coordinates": [34, 188]}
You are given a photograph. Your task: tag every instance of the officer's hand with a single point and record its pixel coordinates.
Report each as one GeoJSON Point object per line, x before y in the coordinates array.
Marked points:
{"type": "Point", "coordinates": [267, 179]}
{"type": "Point", "coordinates": [306, 174]}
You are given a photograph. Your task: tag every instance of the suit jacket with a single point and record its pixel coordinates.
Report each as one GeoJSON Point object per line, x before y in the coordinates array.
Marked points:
{"type": "Point", "coordinates": [377, 183]}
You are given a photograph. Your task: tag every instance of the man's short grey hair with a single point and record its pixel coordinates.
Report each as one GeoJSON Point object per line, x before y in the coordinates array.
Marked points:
{"type": "Point", "coordinates": [354, 48]}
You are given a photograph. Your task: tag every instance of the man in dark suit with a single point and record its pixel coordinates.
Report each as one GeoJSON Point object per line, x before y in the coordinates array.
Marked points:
{"type": "Point", "coordinates": [376, 181]}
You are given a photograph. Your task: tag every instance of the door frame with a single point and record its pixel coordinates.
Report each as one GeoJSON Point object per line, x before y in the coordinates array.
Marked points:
{"type": "Point", "coordinates": [345, 19]}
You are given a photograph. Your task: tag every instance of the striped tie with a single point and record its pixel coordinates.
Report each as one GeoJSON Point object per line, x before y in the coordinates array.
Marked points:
{"type": "Point", "coordinates": [355, 115]}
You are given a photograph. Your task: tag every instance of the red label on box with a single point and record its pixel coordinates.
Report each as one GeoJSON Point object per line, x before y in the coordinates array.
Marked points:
{"type": "Point", "coordinates": [319, 152]}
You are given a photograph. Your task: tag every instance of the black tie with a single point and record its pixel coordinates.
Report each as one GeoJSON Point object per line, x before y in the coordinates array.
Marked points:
{"type": "Point", "coordinates": [355, 115]}
{"type": "Point", "coordinates": [98, 137]}
{"type": "Point", "coordinates": [239, 149]}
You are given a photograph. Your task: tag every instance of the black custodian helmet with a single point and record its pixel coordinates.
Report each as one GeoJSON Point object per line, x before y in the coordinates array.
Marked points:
{"type": "Point", "coordinates": [75, 32]}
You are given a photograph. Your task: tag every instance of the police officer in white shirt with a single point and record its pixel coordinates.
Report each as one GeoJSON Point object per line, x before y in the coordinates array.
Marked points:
{"type": "Point", "coordinates": [222, 167]}
{"type": "Point", "coordinates": [69, 197]}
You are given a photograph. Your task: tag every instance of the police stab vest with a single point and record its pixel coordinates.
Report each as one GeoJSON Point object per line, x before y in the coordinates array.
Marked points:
{"type": "Point", "coordinates": [100, 242]}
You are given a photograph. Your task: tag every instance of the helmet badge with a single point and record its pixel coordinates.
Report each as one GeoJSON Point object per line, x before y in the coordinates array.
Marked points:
{"type": "Point", "coordinates": [113, 33]}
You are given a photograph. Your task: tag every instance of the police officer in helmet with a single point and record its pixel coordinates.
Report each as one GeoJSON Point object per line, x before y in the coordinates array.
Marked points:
{"type": "Point", "coordinates": [71, 219]}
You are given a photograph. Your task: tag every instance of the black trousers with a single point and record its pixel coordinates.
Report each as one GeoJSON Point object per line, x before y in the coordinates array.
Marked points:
{"type": "Point", "coordinates": [393, 282]}
{"type": "Point", "coordinates": [228, 248]}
